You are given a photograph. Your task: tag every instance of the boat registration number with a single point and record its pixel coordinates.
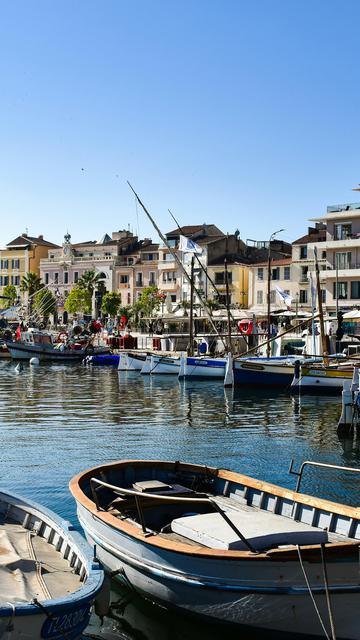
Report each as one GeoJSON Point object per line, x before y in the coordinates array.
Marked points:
{"type": "Point", "coordinates": [68, 624]}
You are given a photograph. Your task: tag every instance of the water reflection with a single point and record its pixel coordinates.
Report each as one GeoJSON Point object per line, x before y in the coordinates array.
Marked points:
{"type": "Point", "coordinates": [57, 420]}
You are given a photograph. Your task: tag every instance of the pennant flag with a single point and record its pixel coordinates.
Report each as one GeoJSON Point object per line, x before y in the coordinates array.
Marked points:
{"type": "Point", "coordinates": [285, 297]}
{"type": "Point", "coordinates": [189, 246]}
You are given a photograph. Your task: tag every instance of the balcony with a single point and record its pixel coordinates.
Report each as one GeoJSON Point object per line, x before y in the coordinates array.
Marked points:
{"type": "Point", "coordinates": [348, 270]}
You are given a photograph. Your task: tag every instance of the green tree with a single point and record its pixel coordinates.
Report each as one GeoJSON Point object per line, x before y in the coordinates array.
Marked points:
{"type": "Point", "coordinates": [10, 293]}
{"type": "Point", "coordinates": [44, 303]}
{"type": "Point", "coordinates": [78, 301]}
{"type": "Point", "coordinates": [90, 281]}
{"type": "Point", "coordinates": [31, 283]}
{"type": "Point", "coordinates": [148, 302]}
{"type": "Point", "coordinates": [111, 303]}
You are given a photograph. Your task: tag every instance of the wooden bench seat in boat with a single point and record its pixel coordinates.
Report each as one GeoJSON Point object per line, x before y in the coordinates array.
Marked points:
{"type": "Point", "coordinates": [262, 529]}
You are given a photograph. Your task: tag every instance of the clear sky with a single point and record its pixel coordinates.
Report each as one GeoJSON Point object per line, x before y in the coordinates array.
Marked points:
{"type": "Point", "coordinates": [244, 114]}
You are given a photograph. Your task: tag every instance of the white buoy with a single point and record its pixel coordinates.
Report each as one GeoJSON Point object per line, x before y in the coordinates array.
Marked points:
{"type": "Point", "coordinates": [34, 361]}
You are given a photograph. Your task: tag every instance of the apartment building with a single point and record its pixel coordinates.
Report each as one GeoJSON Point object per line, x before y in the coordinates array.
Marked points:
{"type": "Point", "coordinates": [20, 256]}
{"type": "Point", "coordinates": [136, 269]}
{"type": "Point", "coordinates": [280, 276]}
{"type": "Point", "coordinates": [341, 246]}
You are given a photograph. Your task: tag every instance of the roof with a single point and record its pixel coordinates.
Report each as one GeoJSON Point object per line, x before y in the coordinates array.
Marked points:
{"type": "Point", "coordinates": [149, 247]}
{"type": "Point", "coordinates": [275, 262]}
{"type": "Point", "coordinates": [190, 230]}
{"type": "Point", "coordinates": [25, 241]}
{"type": "Point", "coordinates": [317, 236]}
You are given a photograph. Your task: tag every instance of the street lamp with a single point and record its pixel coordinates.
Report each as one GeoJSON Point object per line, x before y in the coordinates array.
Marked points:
{"type": "Point", "coordinates": [268, 291]}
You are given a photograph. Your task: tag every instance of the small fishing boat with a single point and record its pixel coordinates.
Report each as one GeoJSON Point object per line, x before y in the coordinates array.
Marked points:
{"type": "Point", "coordinates": [161, 364]}
{"type": "Point", "coordinates": [320, 378]}
{"type": "Point", "coordinates": [203, 367]}
{"type": "Point", "coordinates": [274, 372]}
{"type": "Point", "coordinates": [102, 360]}
{"type": "Point", "coordinates": [49, 579]}
{"type": "Point", "coordinates": [131, 361]}
{"type": "Point", "coordinates": [34, 343]}
{"type": "Point", "coordinates": [225, 546]}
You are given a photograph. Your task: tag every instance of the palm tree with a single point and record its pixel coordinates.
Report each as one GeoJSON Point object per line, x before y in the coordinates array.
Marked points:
{"type": "Point", "coordinates": [30, 284]}
{"type": "Point", "coordinates": [90, 280]}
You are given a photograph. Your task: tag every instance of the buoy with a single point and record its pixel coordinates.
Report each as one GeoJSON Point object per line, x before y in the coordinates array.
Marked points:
{"type": "Point", "coordinates": [246, 327]}
{"type": "Point", "coordinates": [34, 361]}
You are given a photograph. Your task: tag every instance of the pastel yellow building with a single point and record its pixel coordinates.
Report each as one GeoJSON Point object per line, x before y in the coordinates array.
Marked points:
{"type": "Point", "coordinates": [238, 278]}
{"type": "Point", "coordinates": [20, 256]}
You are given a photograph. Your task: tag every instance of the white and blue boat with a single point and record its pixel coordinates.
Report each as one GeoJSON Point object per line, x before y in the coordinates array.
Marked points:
{"type": "Point", "coordinates": [202, 367]}
{"type": "Point", "coordinates": [49, 579]}
{"type": "Point", "coordinates": [275, 372]}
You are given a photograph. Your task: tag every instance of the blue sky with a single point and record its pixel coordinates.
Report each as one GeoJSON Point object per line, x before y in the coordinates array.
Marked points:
{"type": "Point", "coordinates": [244, 114]}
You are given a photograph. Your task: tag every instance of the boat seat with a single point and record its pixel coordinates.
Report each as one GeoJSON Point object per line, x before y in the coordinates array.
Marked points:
{"type": "Point", "coordinates": [123, 501]}
{"type": "Point", "coordinates": [262, 529]}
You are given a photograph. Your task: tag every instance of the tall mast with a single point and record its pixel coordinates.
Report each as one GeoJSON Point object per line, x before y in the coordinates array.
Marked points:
{"type": "Point", "coordinates": [324, 344]}
{"type": "Point", "coordinates": [191, 346]}
{"type": "Point", "coordinates": [228, 305]}
{"type": "Point", "coordinates": [178, 262]}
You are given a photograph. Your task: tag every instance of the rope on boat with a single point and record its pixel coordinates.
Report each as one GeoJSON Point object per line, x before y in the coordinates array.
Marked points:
{"type": "Point", "coordinates": [328, 600]}
{"type": "Point", "coordinates": [311, 594]}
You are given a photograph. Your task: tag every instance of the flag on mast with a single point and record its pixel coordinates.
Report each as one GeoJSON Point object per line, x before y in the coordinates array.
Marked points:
{"type": "Point", "coordinates": [189, 246]}
{"type": "Point", "coordinates": [285, 297]}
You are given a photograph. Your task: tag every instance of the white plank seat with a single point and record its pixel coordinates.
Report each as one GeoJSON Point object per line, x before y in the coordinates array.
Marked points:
{"type": "Point", "coordinates": [263, 530]}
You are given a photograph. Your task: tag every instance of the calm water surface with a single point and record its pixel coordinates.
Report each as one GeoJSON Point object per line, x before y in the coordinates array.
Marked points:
{"type": "Point", "coordinates": [58, 420]}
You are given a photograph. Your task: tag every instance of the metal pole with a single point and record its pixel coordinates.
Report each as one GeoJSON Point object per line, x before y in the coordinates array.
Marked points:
{"type": "Point", "coordinates": [321, 315]}
{"type": "Point", "coordinates": [191, 345]}
{"type": "Point", "coordinates": [228, 305]}
{"type": "Point", "coordinates": [268, 300]}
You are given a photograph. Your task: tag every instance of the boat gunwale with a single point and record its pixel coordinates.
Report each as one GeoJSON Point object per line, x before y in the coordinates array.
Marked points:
{"type": "Point", "coordinates": [288, 553]}
{"type": "Point", "coordinates": [87, 589]}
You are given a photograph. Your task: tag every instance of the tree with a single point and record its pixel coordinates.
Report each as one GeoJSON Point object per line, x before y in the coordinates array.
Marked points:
{"type": "Point", "coordinates": [78, 301]}
{"type": "Point", "coordinates": [91, 280]}
{"type": "Point", "coordinates": [148, 302]}
{"type": "Point", "coordinates": [31, 283]}
{"type": "Point", "coordinates": [10, 293]}
{"type": "Point", "coordinates": [44, 303]}
{"type": "Point", "coordinates": [111, 303]}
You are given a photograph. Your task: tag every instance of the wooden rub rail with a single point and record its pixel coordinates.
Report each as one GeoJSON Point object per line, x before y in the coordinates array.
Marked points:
{"type": "Point", "coordinates": [139, 496]}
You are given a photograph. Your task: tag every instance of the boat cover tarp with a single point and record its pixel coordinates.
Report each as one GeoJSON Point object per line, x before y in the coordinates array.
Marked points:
{"type": "Point", "coordinates": [261, 528]}
{"type": "Point", "coordinates": [20, 573]}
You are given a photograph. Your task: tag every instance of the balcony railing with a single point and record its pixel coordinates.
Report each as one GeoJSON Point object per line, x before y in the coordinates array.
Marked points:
{"type": "Point", "coordinates": [340, 267]}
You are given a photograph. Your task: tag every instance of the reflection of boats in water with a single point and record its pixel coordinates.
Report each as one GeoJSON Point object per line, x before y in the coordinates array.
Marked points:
{"type": "Point", "coordinates": [48, 577]}
{"type": "Point", "coordinates": [222, 545]}
{"type": "Point", "coordinates": [34, 343]}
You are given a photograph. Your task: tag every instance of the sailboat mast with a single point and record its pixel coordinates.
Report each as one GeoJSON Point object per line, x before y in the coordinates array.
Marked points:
{"type": "Point", "coordinates": [228, 305]}
{"type": "Point", "coordinates": [191, 345]}
{"type": "Point", "coordinates": [321, 314]}
{"type": "Point", "coordinates": [178, 262]}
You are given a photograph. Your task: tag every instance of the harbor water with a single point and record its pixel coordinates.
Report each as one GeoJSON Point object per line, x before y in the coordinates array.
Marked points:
{"type": "Point", "coordinates": [58, 420]}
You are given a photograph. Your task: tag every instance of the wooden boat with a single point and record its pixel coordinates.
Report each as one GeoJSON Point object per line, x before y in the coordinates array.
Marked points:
{"type": "Point", "coordinates": [161, 364]}
{"type": "Point", "coordinates": [273, 372]}
{"type": "Point", "coordinates": [223, 545]}
{"type": "Point", "coordinates": [318, 378]}
{"type": "Point", "coordinates": [203, 367]}
{"type": "Point", "coordinates": [102, 360]}
{"type": "Point", "coordinates": [131, 360]}
{"type": "Point", "coordinates": [39, 344]}
{"type": "Point", "coordinates": [48, 577]}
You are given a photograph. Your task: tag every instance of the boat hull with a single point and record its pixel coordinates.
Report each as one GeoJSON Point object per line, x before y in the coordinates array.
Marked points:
{"type": "Point", "coordinates": [205, 368]}
{"type": "Point", "coordinates": [161, 365]}
{"type": "Point", "coordinates": [262, 373]}
{"type": "Point", "coordinates": [261, 597]}
{"type": "Point", "coordinates": [19, 351]}
{"type": "Point", "coordinates": [129, 361]}
{"type": "Point", "coordinates": [320, 381]}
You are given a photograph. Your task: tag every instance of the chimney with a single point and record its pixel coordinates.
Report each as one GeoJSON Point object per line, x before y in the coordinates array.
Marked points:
{"type": "Point", "coordinates": [41, 237]}
{"type": "Point", "coordinates": [24, 235]}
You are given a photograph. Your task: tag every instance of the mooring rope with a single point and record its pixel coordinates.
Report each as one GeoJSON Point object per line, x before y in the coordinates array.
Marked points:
{"type": "Point", "coordinates": [328, 601]}
{"type": "Point", "coordinates": [311, 594]}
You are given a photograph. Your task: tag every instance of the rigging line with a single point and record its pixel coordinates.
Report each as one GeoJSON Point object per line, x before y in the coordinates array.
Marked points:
{"type": "Point", "coordinates": [178, 262]}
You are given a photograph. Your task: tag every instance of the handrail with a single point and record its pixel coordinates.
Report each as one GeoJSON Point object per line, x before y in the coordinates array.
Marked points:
{"type": "Point", "coordinates": [203, 499]}
{"type": "Point", "coordinates": [316, 464]}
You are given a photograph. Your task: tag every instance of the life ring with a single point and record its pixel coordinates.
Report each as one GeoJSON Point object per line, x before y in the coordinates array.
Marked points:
{"type": "Point", "coordinates": [246, 327]}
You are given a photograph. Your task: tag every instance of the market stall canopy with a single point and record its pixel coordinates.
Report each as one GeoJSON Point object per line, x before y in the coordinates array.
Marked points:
{"type": "Point", "coordinates": [352, 315]}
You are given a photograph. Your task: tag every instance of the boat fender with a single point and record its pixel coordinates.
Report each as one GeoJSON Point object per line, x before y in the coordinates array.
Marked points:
{"type": "Point", "coordinates": [246, 327]}
{"type": "Point", "coordinates": [296, 369]}
{"type": "Point", "coordinates": [34, 361]}
{"type": "Point", "coordinates": [102, 600]}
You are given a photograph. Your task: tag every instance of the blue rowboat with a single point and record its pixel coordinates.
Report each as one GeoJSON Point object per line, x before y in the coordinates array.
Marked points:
{"type": "Point", "coordinates": [275, 372]}
{"type": "Point", "coordinates": [49, 579]}
{"type": "Point", "coordinates": [103, 360]}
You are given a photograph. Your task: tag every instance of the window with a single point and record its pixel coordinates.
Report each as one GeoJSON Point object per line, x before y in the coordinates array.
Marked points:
{"type": "Point", "coordinates": [152, 280]}
{"type": "Point", "coordinates": [220, 277]}
{"type": "Point", "coordinates": [304, 274]}
{"type": "Point", "coordinates": [129, 298]}
{"type": "Point", "coordinates": [303, 296]}
{"type": "Point", "coordinates": [355, 290]}
{"type": "Point", "coordinates": [275, 274]}
{"type": "Point", "coordinates": [169, 276]}
{"type": "Point", "coordinates": [259, 297]}
{"type": "Point", "coordinates": [303, 253]}
{"type": "Point", "coordinates": [15, 263]}
{"type": "Point", "coordinates": [286, 273]}
{"type": "Point", "coordinates": [272, 297]}
{"type": "Point", "coordinates": [168, 257]}
{"type": "Point", "coordinates": [139, 279]}
{"type": "Point", "coordinates": [323, 255]}
{"type": "Point", "coordinates": [173, 297]}
{"type": "Point", "coordinates": [5, 281]}
{"type": "Point", "coordinates": [76, 277]}
{"type": "Point", "coordinates": [343, 260]}
{"type": "Point", "coordinates": [56, 278]}
{"type": "Point", "coordinates": [260, 273]}
{"type": "Point", "coordinates": [123, 278]}
{"type": "Point", "coordinates": [323, 296]}
{"type": "Point", "coordinates": [342, 231]}
{"type": "Point", "coordinates": [66, 277]}
{"type": "Point", "coordinates": [1, 281]}
{"type": "Point", "coordinates": [130, 261]}
{"type": "Point", "coordinates": [5, 264]}
{"type": "Point", "coordinates": [46, 278]}
{"type": "Point", "coordinates": [341, 291]}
